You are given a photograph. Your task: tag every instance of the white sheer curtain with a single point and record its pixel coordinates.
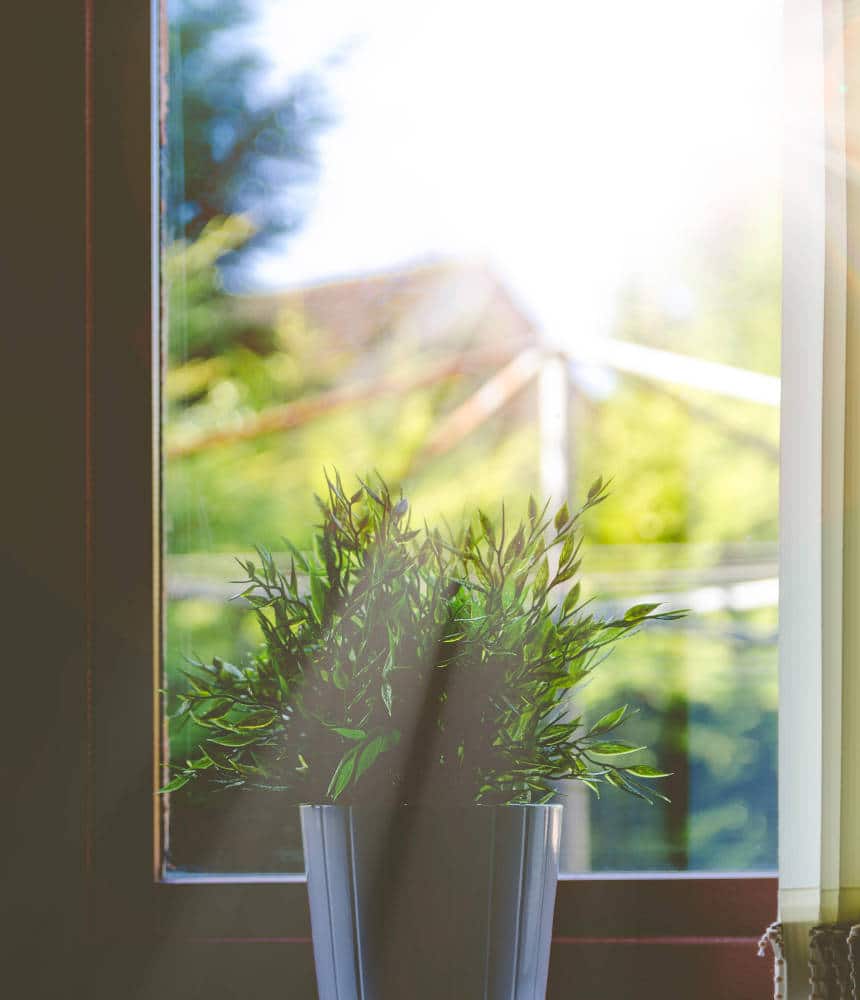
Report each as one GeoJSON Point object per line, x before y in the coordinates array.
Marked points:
{"type": "Point", "coordinates": [819, 758]}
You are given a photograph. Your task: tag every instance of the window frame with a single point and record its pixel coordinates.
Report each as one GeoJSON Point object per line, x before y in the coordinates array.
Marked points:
{"type": "Point", "coordinates": [688, 933]}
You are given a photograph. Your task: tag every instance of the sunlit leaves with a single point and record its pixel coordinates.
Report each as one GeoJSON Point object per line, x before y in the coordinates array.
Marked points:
{"type": "Point", "coordinates": [415, 663]}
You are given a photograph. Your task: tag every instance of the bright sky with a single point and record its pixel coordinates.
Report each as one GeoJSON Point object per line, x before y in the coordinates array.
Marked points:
{"type": "Point", "coordinates": [571, 142]}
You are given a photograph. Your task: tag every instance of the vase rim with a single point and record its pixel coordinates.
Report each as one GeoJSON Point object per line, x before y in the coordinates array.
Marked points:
{"type": "Point", "coordinates": [434, 807]}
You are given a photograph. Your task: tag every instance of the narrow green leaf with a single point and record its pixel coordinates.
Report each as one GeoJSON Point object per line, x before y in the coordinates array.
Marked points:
{"type": "Point", "coordinates": [339, 677]}
{"type": "Point", "coordinates": [233, 739]}
{"type": "Point", "coordinates": [613, 749]}
{"type": "Point", "coordinates": [562, 517]}
{"type": "Point", "coordinates": [318, 592]}
{"type": "Point", "coordinates": [180, 781]}
{"type": "Point", "coordinates": [368, 755]}
{"type": "Point", "coordinates": [619, 781]}
{"type": "Point", "coordinates": [487, 526]}
{"type": "Point", "coordinates": [300, 559]}
{"type": "Point", "coordinates": [568, 571]}
{"type": "Point", "coordinates": [542, 576]}
{"type": "Point", "coordinates": [639, 611]}
{"type": "Point", "coordinates": [207, 723]}
{"type": "Point", "coordinates": [592, 785]}
{"type": "Point", "coordinates": [220, 760]}
{"type": "Point", "coordinates": [349, 734]}
{"type": "Point", "coordinates": [571, 599]}
{"type": "Point", "coordinates": [387, 695]}
{"type": "Point", "coordinates": [342, 773]}
{"type": "Point", "coordinates": [248, 770]}
{"type": "Point", "coordinates": [515, 546]}
{"type": "Point", "coordinates": [608, 721]}
{"type": "Point", "coordinates": [196, 684]}
{"type": "Point", "coordinates": [219, 708]}
{"type": "Point", "coordinates": [646, 771]}
{"type": "Point", "coordinates": [567, 549]}
{"type": "Point", "coordinates": [256, 720]}
{"type": "Point", "coordinates": [201, 764]}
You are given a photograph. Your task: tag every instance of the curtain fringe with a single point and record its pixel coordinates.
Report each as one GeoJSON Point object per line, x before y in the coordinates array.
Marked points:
{"type": "Point", "coordinates": [834, 950]}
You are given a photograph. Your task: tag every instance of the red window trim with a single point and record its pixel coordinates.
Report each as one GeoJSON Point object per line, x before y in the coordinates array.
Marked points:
{"type": "Point", "coordinates": [670, 936]}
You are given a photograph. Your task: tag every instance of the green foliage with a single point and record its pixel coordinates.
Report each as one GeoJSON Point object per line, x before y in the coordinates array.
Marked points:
{"type": "Point", "coordinates": [398, 661]}
{"type": "Point", "coordinates": [236, 143]}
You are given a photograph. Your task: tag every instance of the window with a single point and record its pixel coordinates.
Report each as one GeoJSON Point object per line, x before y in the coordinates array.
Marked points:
{"type": "Point", "coordinates": [266, 920]}
{"type": "Point", "coordinates": [550, 263]}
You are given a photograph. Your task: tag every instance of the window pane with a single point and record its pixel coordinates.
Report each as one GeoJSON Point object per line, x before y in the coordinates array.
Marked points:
{"type": "Point", "coordinates": [489, 251]}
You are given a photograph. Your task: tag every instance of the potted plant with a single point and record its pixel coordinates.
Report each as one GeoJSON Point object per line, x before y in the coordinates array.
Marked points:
{"type": "Point", "coordinates": [413, 694]}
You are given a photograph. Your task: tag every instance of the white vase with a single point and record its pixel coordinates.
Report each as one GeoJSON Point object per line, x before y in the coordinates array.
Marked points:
{"type": "Point", "coordinates": [430, 903]}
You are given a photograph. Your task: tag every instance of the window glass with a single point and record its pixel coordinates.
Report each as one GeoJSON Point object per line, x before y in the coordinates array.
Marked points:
{"type": "Point", "coordinates": [489, 250]}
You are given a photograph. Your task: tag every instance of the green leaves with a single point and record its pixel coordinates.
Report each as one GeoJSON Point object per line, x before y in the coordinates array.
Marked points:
{"type": "Point", "coordinates": [464, 642]}
{"type": "Point", "coordinates": [357, 760]}
{"type": "Point", "coordinates": [384, 741]}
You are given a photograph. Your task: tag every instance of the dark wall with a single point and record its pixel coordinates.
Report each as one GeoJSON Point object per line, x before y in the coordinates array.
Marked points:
{"type": "Point", "coordinates": [42, 484]}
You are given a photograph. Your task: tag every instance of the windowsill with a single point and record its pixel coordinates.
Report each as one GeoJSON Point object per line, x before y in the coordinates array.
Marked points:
{"type": "Point", "coordinates": [240, 878]}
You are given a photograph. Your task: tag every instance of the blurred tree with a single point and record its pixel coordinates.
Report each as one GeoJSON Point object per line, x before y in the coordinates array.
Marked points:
{"type": "Point", "coordinates": [237, 144]}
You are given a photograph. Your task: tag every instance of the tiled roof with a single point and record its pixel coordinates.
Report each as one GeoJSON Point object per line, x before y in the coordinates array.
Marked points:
{"type": "Point", "coordinates": [448, 306]}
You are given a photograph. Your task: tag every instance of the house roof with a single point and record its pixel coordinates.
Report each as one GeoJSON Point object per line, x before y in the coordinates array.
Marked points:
{"type": "Point", "coordinates": [446, 306]}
